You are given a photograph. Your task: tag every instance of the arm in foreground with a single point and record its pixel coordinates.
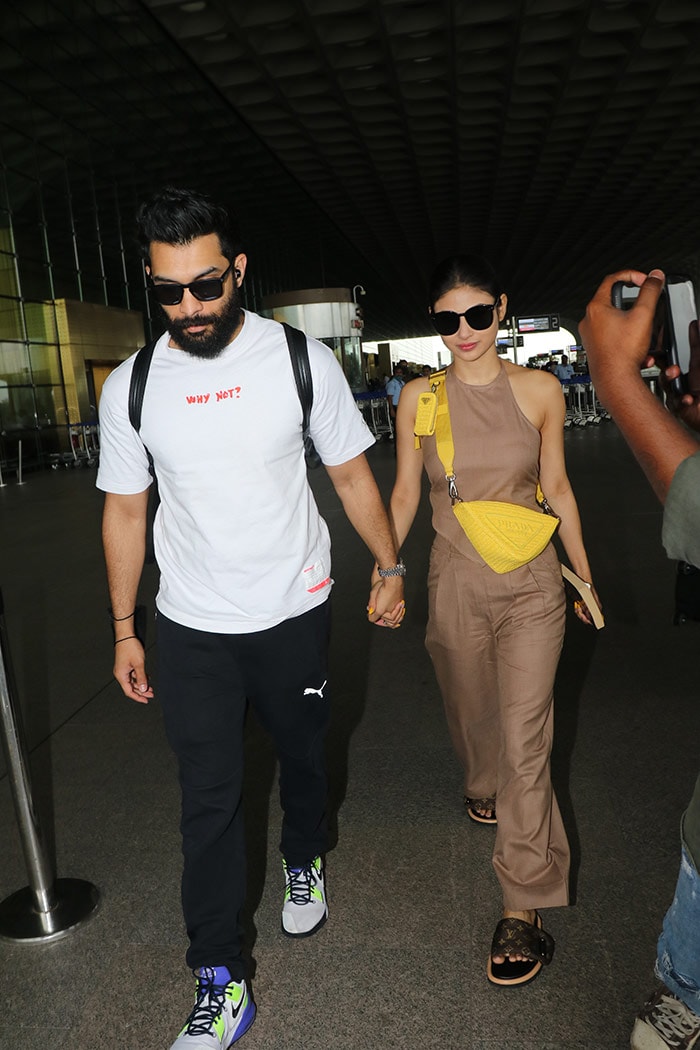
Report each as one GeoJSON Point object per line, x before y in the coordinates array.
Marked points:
{"type": "Point", "coordinates": [124, 540]}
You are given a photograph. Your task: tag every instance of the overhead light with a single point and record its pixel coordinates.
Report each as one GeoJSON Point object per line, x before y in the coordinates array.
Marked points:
{"type": "Point", "coordinates": [425, 58]}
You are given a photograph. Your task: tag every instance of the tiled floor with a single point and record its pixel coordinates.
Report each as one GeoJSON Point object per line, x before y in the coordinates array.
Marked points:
{"type": "Point", "coordinates": [401, 961]}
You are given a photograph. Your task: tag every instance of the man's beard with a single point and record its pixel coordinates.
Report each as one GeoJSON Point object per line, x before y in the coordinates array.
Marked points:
{"type": "Point", "coordinates": [207, 344]}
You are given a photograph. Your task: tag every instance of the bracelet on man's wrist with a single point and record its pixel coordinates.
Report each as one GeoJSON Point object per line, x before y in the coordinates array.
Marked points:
{"type": "Point", "coordinates": [394, 570]}
{"type": "Point", "coordinates": [127, 638]}
{"type": "Point", "coordinates": [119, 619]}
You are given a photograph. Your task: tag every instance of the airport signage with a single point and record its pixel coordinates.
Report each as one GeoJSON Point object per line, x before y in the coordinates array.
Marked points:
{"type": "Point", "coordinates": [543, 323]}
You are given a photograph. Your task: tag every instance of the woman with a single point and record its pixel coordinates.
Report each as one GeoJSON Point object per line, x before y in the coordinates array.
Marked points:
{"type": "Point", "coordinates": [495, 637]}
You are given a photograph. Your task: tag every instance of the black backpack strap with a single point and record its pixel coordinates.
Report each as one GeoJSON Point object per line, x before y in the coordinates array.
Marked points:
{"type": "Point", "coordinates": [299, 354]}
{"type": "Point", "coordinates": [137, 387]}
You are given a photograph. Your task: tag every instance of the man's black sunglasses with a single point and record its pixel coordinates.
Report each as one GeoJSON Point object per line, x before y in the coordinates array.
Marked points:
{"type": "Point", "coordinates": [477, 317]}
{"type": "Point", "coordinates": [205, 289]}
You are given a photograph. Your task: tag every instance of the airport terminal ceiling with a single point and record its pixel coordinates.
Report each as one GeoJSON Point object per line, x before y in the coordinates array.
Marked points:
{"type": "Point", "coordinates": [362, 140]}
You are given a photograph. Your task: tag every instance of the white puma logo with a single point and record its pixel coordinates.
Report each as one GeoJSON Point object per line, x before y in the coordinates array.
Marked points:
{"type": "Point", "coordinates": [318, 692]}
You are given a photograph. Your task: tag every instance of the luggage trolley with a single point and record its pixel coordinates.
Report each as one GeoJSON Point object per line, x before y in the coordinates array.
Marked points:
{"type": "Point", "coordinates": [582, 407]}
{"type": "Point", "coordinates": [374, 406]}
{"type": "Point", "coordinates": [382, 424]}
{"type": "Point", "coordinates": [84, 443]}
{"type": "Point", "coordinates": [602, 413]}
{"type": "Point", "coordinates": [83, 447]}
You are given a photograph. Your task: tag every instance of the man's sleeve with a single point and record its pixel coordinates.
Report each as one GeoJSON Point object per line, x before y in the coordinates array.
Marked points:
{"type": "Point", "coordinates": [681, 528]}
{"type": "Point", "coordinates": [123, 467]}
{"type": "Point", "coordinates": [337, 427]}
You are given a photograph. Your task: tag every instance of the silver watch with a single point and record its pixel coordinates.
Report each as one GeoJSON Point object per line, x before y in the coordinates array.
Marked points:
{"type": "Point", "coordinates": [396, 570]}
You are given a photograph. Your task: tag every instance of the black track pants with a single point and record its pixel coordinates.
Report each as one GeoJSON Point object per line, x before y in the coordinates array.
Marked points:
{"type": "Point", "coordinates": [204, 684]}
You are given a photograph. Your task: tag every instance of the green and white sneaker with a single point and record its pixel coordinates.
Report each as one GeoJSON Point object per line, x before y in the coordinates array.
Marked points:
{"type": "Point", "coordinates": [223, 1011]}
{"type": "Point", "coordinates": [305, 909]}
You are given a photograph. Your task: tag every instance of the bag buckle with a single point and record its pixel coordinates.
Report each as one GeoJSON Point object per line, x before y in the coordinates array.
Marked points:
{"type": "Point", "coordinates": [452, 489]}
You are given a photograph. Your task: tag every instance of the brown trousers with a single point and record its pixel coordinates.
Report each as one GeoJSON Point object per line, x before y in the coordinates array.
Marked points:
{"type": "Point", "coordinates": [495, 642]}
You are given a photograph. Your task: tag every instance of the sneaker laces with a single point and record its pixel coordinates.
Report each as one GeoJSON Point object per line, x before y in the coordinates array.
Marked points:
{"type": "Point", "coordinates": [299, 881]}
{"type": "Point", "coordinates": [673, 1019]}
{"type": "Point", "coordinates": [210, 1003]}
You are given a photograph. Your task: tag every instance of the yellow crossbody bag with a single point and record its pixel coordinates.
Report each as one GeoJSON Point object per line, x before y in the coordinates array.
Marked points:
{"type": "Point", "coordinates": [504, 534]}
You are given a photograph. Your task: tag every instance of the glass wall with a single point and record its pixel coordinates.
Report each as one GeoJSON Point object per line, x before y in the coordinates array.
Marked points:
{"type": "Point", "coordinates": [51, 250]}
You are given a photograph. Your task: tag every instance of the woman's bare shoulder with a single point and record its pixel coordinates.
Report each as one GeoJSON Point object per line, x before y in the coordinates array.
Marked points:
{"type": "Point", "coordinates": [538, 394]}
{"type": "Point", "coordinates": [414, 388]}
{"type": "Point", "coordinates": [533, 379]}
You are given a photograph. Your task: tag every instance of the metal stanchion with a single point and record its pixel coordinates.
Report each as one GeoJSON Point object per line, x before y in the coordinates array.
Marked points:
{"type": "Point", "coordinates": [2, 483]}
{"type": "Point", "coordinates": [19, 465]}
{"type": "Point", "coordinates": [48, 908]}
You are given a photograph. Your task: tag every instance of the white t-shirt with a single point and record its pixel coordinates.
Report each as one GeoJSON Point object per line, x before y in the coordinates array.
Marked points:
{"type": "Point", "coordinates": [238, 538]}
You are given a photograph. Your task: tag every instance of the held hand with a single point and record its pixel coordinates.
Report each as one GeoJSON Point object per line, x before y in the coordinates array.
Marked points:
{"type": "Point", "coordinates": [618, 342]}
{"type": "Point", "coordinates": [130, 670]}
{"type": "Point", "coordinates": [386, 606]}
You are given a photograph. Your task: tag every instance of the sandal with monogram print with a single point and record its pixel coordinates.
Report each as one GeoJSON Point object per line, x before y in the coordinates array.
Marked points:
{"type": "Point", "coordinates": [482, 810]}
{"type": "Point", "coordinates": [517, 937]}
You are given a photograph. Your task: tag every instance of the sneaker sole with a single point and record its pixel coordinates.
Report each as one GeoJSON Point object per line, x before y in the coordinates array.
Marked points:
{"type": "Point", "coordinates": [307, 933]}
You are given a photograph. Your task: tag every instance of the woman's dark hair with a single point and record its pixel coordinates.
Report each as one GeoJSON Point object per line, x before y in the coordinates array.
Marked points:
{"type": "Point", "coordinates": [459, 270]}
{"type": "Point", "coordinates": [176, 216]}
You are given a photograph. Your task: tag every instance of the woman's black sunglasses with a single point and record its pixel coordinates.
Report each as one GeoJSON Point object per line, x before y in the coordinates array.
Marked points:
{"type": "Point", "coordinates": [477, 317]}
{"type": "Point", "coordinates": [205, 289]}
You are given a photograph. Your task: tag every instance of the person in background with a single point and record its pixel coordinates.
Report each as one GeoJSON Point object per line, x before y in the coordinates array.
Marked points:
{"type": "Point", "coordinates": [495, 638]}
{"type": "Point", "coordinates": [617, 343]}
{"type": "Point", "coordinates": [563, 371]}
{"type": "Point", "coordinates": [245, 577]}
{"type": "Point", "coordinates": [394, 388]}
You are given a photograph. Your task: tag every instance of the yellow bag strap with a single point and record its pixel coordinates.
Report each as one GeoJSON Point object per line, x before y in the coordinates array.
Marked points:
{"type": "Point", "coordinates": [444, 442]}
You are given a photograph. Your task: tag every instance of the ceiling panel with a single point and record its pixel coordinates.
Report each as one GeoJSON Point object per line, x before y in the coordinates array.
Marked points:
{"type": "Point", "coordinates": [561, 138]}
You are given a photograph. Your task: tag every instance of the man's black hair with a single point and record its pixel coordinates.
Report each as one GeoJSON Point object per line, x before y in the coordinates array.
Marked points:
{"type": "Point", "coordinates": [178, 216]}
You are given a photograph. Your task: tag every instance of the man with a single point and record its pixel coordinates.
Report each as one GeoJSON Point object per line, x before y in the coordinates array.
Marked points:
{"type": "Point", "coordinates": [244, 557]}
{"type": "Point", "coordinates": [617, 343]}
{"type": "Point", "coordinates": [564, 371]}
{"type": "Point", "coordinates": [393, 389]}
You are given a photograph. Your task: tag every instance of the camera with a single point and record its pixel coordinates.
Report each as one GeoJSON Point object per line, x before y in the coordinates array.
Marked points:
{"type": "Point", "coordinates": [675, 312]}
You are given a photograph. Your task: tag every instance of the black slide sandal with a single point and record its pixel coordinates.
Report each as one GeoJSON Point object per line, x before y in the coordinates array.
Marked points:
{"type": "Point", "coordinates": [521, 938]}
{"type": "Point", "coordinates": [473, 805]}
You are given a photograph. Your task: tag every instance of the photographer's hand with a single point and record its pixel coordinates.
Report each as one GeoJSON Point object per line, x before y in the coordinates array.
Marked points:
{"type": "Point", "coordinates": [617, 343]}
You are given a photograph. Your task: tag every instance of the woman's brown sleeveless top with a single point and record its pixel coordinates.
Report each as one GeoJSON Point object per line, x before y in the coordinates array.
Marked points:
{"type": "Point", "coordinates": [497, 453]}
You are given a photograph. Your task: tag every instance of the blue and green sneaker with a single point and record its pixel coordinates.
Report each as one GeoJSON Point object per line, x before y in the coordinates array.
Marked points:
{"type": "Point", "coordinates": [223, 1011]}
{"type": "Point", "coordinates": [305, 909]}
